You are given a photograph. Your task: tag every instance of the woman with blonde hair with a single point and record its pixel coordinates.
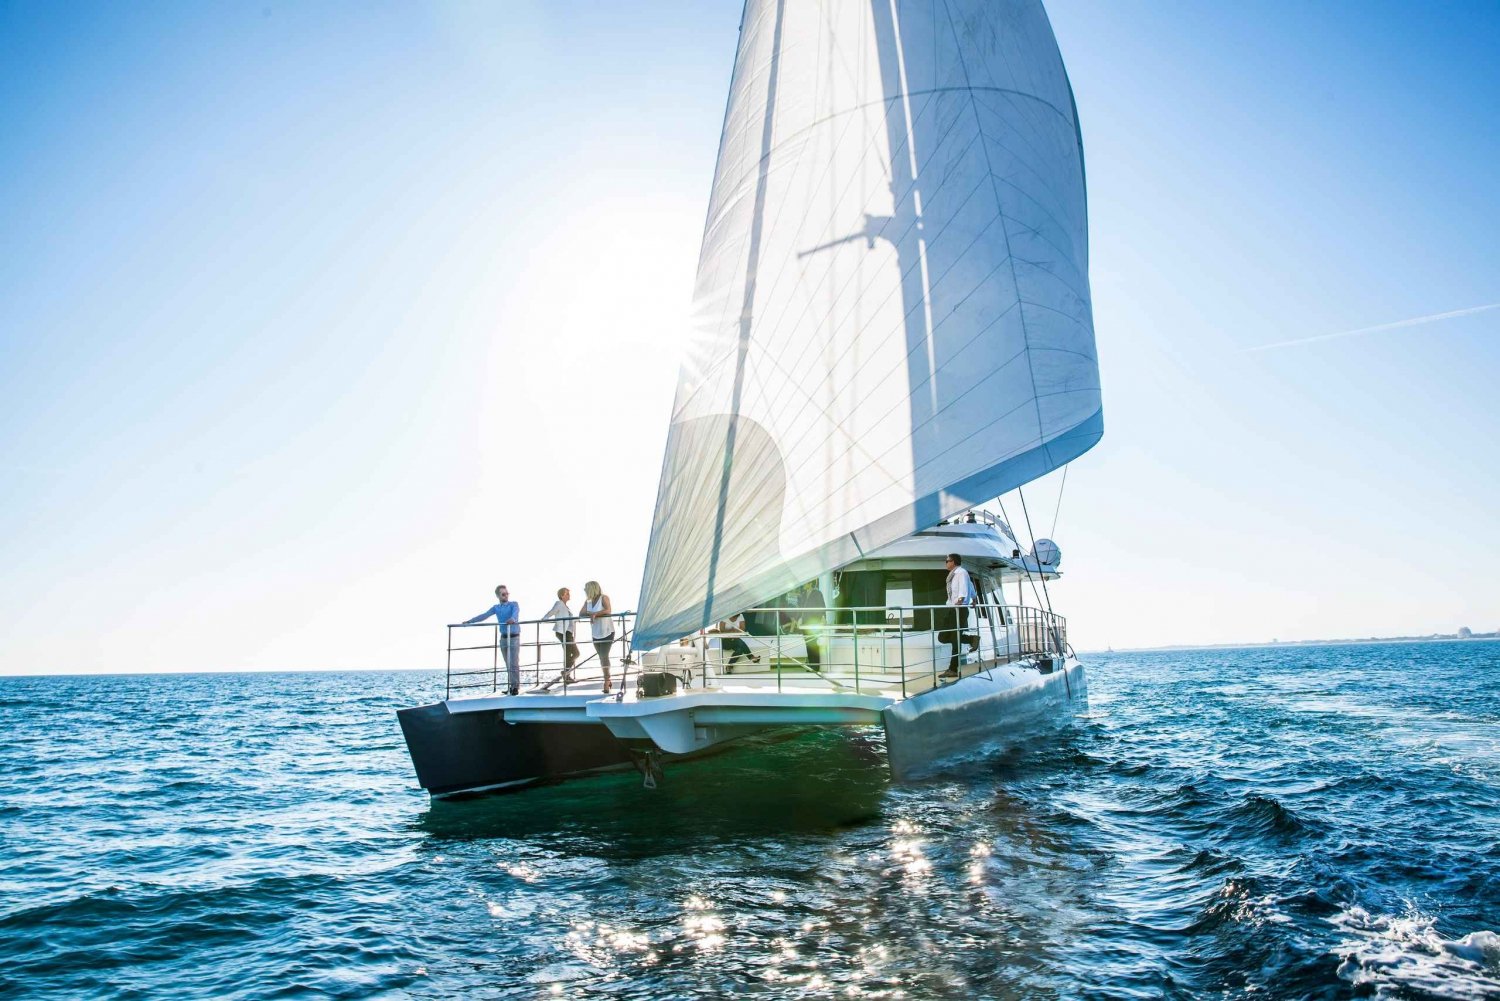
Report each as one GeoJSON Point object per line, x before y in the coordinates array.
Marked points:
{"type": "Point", "coordinates": [597, 609]}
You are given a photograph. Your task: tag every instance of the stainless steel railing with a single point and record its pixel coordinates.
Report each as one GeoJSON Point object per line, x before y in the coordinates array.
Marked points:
{"type": "Point", "coordinates": [872, 647]}
{"type": "Point", "coordinates": [542, 653]}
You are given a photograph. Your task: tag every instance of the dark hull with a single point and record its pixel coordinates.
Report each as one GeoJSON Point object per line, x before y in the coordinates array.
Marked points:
{"type": "Point", "coordinates": [476, 751]}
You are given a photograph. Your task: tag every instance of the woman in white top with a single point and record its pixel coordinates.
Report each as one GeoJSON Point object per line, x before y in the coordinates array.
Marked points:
{"type": "Point", "coordinates": [562, 628]}
{"type": "Point", "coordinates": [596, 607]}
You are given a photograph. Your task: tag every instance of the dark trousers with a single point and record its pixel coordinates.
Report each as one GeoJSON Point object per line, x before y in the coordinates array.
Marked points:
{"type": "Point", "coordinates": [736, 648]}
{"type": "Point", "coordinates": [570, 650]}
{"type": "Point", "coordinates": [601, 647]}
{"type": "Point", "coordinates": [955, 621]}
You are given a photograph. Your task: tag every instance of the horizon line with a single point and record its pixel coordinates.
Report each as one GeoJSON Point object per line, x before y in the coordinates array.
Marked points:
{"type": "Point", "coordinates": [1229, 645]}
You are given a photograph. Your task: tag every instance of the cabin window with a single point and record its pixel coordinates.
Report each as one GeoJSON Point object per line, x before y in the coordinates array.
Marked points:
{"type": "Point", "coordinates": [990, 594]}
{"type": "Point", "coordinates": [932, 589]}
{"type": "Point", "coordinates": [861, 589]}
{"type": "Point", "coordinates": [883, 591]}
{"type": "Point", "coordinates": [899, 597]}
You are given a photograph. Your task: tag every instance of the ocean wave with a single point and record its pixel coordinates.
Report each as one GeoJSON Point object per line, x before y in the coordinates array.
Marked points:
{"type": "Point", "coordinates": [1396, 956]}
{"type": "Point", "coordinates": [1181, 841]}
{"type": "Point", "coordinates": [1244, 900]}
{"type": "Point", "coordinates": [1258, 815]}
{"type": "Point", "coordinates": [111, 906]}
{"type": "Point", "coordinates": [1210, 862]}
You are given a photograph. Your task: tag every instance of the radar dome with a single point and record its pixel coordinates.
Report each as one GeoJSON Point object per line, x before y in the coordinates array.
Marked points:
{"type": "Point", "coordinates": [1046, 553]}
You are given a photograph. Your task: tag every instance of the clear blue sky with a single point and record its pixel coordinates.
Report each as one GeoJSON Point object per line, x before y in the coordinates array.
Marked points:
{"type": "Point", "coordinates": [318, 321]}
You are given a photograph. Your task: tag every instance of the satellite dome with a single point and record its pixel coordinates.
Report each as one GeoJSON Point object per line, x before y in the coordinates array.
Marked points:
{"type": "Point", "coordinates": [1046, 553]}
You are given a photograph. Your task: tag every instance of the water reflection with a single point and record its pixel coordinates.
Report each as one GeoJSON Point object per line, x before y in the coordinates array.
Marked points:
{"type": "Point", "coordinates": [1141, 851]}
{"type": "Point", "coordinates": [795, 862]}
{"type": "Point", "coordinates": [1203, 837]}
{"type": "Point", "coordinates": [804, 783]}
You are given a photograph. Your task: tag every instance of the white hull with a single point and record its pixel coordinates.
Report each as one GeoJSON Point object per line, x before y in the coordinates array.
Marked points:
{"type": "Point", "coordinates": [1006, 704]}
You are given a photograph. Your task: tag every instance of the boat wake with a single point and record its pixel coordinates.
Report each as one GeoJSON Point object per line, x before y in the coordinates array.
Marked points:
{"type": "Point", "coordinates": [1397, 956]}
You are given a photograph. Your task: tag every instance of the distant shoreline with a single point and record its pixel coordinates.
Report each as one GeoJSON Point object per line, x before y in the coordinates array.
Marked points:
{"type": "Point", "coordinates": [1280, 644]}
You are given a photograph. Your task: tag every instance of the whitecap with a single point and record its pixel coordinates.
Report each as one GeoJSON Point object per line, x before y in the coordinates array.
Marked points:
{"type": "Point", "coordinates": [1394, 955]}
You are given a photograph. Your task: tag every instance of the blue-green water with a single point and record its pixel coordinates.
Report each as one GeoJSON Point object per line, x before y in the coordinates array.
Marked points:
{"type": "Point", "coordinates": [1299, 822]}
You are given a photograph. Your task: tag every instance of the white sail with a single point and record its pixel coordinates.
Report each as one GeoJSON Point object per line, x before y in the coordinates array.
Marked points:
{"type": "Point", "coordinates": [892, 318]}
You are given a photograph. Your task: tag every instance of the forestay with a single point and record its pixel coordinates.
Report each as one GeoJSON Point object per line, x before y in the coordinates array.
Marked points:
{"type": "Point", "coordinates": [892, 318]}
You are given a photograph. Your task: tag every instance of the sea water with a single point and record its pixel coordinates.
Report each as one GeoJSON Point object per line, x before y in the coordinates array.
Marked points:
{"type": "Point", "coordinates": [1298, 822]}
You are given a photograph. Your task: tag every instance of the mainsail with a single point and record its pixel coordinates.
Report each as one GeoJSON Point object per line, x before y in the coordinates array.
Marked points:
{"type": "Point", "coordinates": [892, 318]}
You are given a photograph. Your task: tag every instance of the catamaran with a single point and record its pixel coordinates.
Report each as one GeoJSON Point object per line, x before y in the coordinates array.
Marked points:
{"type": "Point", "coordinates": [892, 328]}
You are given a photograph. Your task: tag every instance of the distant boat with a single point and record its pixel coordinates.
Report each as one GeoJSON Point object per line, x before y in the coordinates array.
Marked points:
{"type": "Point", "coordinates": [893, 327]}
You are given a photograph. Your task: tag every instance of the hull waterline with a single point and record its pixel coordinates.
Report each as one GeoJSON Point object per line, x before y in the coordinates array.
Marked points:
{"type": "Point", "coordinates": [478, 751]}
{"type": "Point", "coordinates": [1010, 704]}
{"type": "Point", "coordinates": [458, 753]}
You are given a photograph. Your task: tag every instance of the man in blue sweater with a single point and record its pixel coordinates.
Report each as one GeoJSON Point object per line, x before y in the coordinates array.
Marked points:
{"type": "Point", "coordinates": [507, 614]}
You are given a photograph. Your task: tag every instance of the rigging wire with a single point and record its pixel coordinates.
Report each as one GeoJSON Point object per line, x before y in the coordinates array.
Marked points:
{"type": "Point", "coordinates": [1040, 573]}
{"type": "Point", "coordinates": [1056, 638]}
{"type": "Point", "coordinates": [1043, 597]}
{"type": "Point", "coordinates": [1035, 594]}
{"type": "Point", "coordinates": [1061, 487]}
{"type": "Point", "coordinates": [1027, 571]}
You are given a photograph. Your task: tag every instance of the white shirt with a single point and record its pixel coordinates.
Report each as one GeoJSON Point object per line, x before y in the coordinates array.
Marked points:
{"type": "Point", "coordinates": [603, 628]}
{"type": "Point", "coordinates": [562, 613]}
{"type": "Point", "coordinates": [960, 587]}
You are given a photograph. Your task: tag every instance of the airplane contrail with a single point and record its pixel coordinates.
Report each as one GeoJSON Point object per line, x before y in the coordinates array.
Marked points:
{"type": "Point", "coordinates": [1413, 322]}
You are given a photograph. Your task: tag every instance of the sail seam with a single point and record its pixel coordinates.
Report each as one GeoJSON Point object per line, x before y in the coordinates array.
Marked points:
{"type": "Point", "coordinates": [834, 428]}
{"type": "Point", "coordinates": [1000, 206]}
{"type": "Point", "coordinates": [776, 401]}
{"type": "Point", "coordinates": [903, 275]}
{"type": "Point", "coordinates": [899, 368]}
{"type": "Point", "coordinates": [895, 241]}
{"type": "Point", "coordinates": [723, 210]}
{"type": "Point", "coordinates": [979, 136]}
{"type": "Point", "coordinates": [1030, 446]}
{"type": "Point", "coordinates": [778, 323]}
{"type": "Point", "coordinates": [877, 459]}
{"type": "Point", "coordinates": [895, 369]}
{"type": "Point", "coordinates": [745, 321]}
{"type": "Point", "coordinates": [966, 89]}
{"type": "Point", "coordinates": [725, 215]}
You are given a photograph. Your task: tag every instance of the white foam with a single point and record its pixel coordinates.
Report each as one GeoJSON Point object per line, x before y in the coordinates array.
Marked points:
{"type": "Point", "coordinates": [1396, 954]}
